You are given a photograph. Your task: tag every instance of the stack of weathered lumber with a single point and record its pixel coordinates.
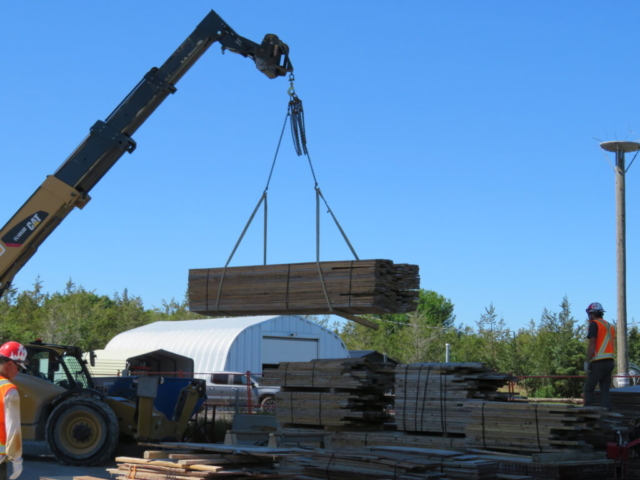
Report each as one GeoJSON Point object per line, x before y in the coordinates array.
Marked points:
{"type": "Point", "coordinates": [332, 393]}
{"type": "Point", "coordinates": [525, 427]}
{"type": "Point", "coordinates": [352, 287]}
{"type": "Point", "coordinates": [356, 440]}
{"type": "Point", "coordinates": [552, 466]}
{"type": "Point", "coordinates": [432, 397]}
{"type": "Point", "coordinates": [625, 401]}
{"type": "Point", "coordinates": [197, 460]}
{"type": "Point", "coordinates": [462, 399]}
{"type": "Point", "coordinates": [393, 463]}
{"type": "Point", "coordinates": [569, 464]}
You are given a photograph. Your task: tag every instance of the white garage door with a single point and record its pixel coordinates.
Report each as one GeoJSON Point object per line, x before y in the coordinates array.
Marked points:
{"type": "Point", "coordinates": [278, 349]}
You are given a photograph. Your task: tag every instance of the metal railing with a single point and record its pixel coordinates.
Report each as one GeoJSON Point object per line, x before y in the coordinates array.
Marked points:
{"type": "Point", "coordinates": [560, 387]}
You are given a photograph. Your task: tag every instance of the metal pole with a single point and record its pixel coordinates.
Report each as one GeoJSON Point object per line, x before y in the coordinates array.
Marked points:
{"type": "Point", "coordinates": [621, 261]}
{"type": "Point", "coordinates": [620, 148]}
{"type": "Point", "coordinates": [447, 355]}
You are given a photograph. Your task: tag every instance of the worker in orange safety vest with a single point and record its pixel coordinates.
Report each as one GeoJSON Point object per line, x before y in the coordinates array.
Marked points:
{"type": "Point", "coordinates": [600, 356]}
{"type": "Point", "coordinates": [13, 356]}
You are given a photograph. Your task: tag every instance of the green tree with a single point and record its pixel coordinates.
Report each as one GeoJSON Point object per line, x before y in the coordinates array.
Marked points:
{"type": "Point", "coordinates": [436, 309]}
{"type": "Point", "coordinates": [174, 310]}
{"type": "Point", "coordinates": [421, 341]}
{"type": "Point", "coordinates": [22, 314]}
{"type": "Point", "coordinates": [412, 337]}
{"type": "Point", "coordinates": [559, 350]}
{"type": "Point", "coordinates": [466, 344]}
{"type": "Point", "coordinates": [495, 337]}
{"type": "Point", "coordinates": [634, 344]}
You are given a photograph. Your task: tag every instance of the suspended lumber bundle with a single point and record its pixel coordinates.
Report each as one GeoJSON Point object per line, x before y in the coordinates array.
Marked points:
{"type": "Point", "coordinates": [331, 393]}
{"type": "Point", "coordinates": [351, 287]}
{"type": "Point", "coordinates": [524, 427]}
{"type": "Point", "coordinates": [431, 397]}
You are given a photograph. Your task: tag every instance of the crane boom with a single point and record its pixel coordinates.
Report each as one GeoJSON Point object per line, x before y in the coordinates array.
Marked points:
{"type": "Point", "coordinates": [108, 140]}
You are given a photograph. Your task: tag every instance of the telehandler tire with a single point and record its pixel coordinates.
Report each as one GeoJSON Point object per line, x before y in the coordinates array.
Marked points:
{"type": "Point", "coordinates": [82, 430]}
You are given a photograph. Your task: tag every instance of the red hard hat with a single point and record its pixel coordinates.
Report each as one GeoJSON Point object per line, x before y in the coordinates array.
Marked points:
{"type": "Point", "coordinates": [14, 351]}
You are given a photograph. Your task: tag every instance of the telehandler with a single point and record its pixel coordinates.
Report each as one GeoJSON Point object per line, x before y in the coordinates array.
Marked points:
{"type": "Point", "coordinates": [59, 402]}
{"type": "Point", "coordinates": [108, 140]}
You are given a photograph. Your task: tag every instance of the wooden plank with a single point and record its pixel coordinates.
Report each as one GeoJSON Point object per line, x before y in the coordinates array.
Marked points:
{"type": "Point", "coordinates": [84, 477]}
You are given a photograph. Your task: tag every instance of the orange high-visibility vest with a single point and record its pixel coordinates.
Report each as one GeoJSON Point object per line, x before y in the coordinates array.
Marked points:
{"type": "Point", "coordinates": [604, 340]}
{"type": "Point", "coordinates": [5, 386]}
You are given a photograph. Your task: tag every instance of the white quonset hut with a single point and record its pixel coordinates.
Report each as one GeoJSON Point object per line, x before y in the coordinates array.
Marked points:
{"type": "Point", "coordinates": [236, 344]}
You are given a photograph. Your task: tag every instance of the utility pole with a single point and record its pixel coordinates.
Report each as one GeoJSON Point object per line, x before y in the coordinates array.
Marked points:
{"type": "Point", "coordinates": [620, 148]}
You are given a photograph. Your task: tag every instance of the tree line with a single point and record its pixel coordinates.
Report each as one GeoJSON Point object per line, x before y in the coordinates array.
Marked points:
{"type": "Point", "coordinates": [77, 316]}
{"type": "Point", "coordinates": [555, 345]}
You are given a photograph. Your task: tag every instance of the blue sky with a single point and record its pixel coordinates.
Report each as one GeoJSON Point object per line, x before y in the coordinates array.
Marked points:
{"type": "Point", "coordinates": [460, 136]}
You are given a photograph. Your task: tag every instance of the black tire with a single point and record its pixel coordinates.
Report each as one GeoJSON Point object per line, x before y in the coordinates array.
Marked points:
{"type": "Point", "coordinates": [268, 404]}
{"type": "Point", "coordinates": [82, 431]}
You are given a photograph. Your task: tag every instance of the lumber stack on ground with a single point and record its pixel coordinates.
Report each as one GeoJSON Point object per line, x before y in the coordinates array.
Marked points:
{"type": "Point", "coordinates": [625, 401]}
{"type": "Point", "coordinates": [431, 397]}
{"type": "Point", "coordinates": [185, 461]}
{"type": "Point", "coordinates": [356, 440]}
{"type": "Point", "coordinates": [344, 392]}
{"type": "Point", "coordinates": [559, 466]}
{"type": "Point", "coordinates": [393, 463]}
{"type": "Point", "coordinates": [462, 400]}
{"type": "Point", "coordinates": [523, 427]}
{"type": "Point", "coordinates": [633, 469]}
{"type": "Point", "coordinates": [570, 464]}
{"type": "Point", "coordinates": [351, 287]}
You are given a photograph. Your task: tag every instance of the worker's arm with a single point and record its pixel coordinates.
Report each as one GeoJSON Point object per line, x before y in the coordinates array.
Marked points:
{"type": "Point", "coordinates": [592, 336]}
{"type": "Point", "coordinates": [12, 426]}
{"type": "Point", "coordinates": [591, 349]}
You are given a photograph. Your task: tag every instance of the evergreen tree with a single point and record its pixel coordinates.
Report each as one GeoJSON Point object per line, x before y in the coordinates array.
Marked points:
{"type": "Point", "coordinates": [494, 339]}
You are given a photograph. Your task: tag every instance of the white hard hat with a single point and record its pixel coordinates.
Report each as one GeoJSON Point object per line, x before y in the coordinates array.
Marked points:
{"type": "Point", "coordinates": [595, 307]}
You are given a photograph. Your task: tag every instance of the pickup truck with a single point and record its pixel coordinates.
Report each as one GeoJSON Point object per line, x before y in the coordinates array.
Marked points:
{"type": "Point", "coordinates": [634, 379]}
{"type": "Point", "coordinates": [227, 387]}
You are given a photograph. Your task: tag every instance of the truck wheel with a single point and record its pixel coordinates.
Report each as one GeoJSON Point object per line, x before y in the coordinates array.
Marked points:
{"type": "Point", "coordinates": [268, 404]}
{"type": "Point", "coordinates": [82, 431]}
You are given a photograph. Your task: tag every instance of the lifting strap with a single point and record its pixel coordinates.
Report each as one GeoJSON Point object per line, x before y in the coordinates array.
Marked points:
{"type": "Point", "coordinates": [295, 114]}
{"type": "Point", "coordinates": [263, 198]}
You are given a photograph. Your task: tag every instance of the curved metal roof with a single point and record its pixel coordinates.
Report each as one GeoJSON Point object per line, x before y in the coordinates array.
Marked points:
{"type": "Point", "coordinates": [192, 338]}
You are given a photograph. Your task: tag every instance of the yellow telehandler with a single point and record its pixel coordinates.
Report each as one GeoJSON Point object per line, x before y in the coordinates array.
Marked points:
{"type": "Point", "coordinates": [60, 404]}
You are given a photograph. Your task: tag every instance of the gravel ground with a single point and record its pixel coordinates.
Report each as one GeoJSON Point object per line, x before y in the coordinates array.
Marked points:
{"type": "Point", "coordinates": [39, 464]}
{"type": "Point", "coordinates": [36, 468]}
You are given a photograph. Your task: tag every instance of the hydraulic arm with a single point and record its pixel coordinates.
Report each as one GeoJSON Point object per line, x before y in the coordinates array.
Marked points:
{"type": "Point", "coordinates": [108, 140]}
